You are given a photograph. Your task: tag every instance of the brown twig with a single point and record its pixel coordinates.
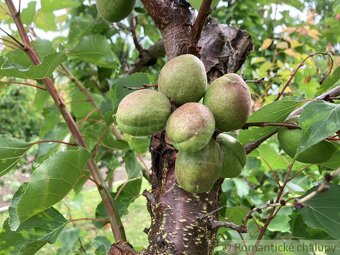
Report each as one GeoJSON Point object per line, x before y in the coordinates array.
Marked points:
{"type": "Point", "coordinates": [79, 84]}
{"type": "Point", "coordinates": [271, 124]}
{"type": "Point", "coordinates": [21, 83]}
{"type": "Point", "coordinates": [197, 28]}
{"type": "Point", "coordinates": [53, 141]}
{"type": "Point", "coordinates": [92, 219]}
{"type": "Point", "coordinates": [133, 25]}
{"type": "Point", "coordinates": [274, 206]}
{"type": "Point", "coordinates": [238, 228]}
{"type": "Point", "coordinates": [301, 65]}
{"type": "Point", "coordinates": [115, 221]}
{"type": "Point", "coordinates": [11, 42]}
{"type": "Point", "coordinates": [249, 147]}
{"type": "Point", "coordinates": [101, 137]}
{"type": "Point", "coordinates": [13, 38]}
{"type": "Point", "coordinates": [145, 86]}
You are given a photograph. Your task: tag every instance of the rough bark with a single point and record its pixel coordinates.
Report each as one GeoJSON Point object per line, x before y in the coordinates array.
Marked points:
{"type": "Point", "coordinates": [181, 221]}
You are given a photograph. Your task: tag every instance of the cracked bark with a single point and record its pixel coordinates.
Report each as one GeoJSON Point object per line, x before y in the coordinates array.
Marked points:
{"type": "Point", "coordinates": [181, 222]}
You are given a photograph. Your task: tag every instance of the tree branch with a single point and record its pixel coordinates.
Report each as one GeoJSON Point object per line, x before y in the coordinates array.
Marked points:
{"type": "Point", "coordinates": [115, 221]}
{"type": "Point", "coordinates": [249, 147]}
{"type": "Point", "coordinates": [133, 25]}
{"type": "Point", "coordinates": [271, 124]}
{"type": "Point", "coordinates": [301, 65]}
{"type": "Point", "coordinates": [148, 57]}
{"type": "Point", "coordinates": [21, 83]}
{"type": "Point", "coordinates": [197, 28]}
{"type": "Point", "coordinates": [238, 228]}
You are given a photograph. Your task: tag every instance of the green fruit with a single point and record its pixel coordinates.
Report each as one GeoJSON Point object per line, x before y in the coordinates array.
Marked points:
{"type": "Point", "coordinates": [234, 156]}
{"type": "Point", "coordinates": [183, 79]}
{"type": "Point", "coordinates": [289, 140]}
{"type": "Point", "coordinates": [190, 127]}
{"type": "Point", "coordinates": [143, 112]}
{"type": "Point", "coordinates": [197, 172]}
{"type": "Point", "coordinates": [114, 10]}
{"type": "Point", "coordinates": [228, 98]}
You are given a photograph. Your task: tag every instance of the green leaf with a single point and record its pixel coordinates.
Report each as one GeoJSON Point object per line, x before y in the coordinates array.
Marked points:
{"type": "Point", "coordinates": [334, 161]}
{"type": "Point", "coordinates": [79, 27]}
{"type": "Point", "coordinates": [323, 211]}
{"type": "Point", "coordinates": [132, 165]}
{"type": "Point", "coordinates": [330, 81]}
{"type": "Point", "coordinates": [274, 112]}
{"type": "Point", "coordinates": [242, 187]}
{"type": "Point", "coordinates": [68, 240]}
{"type": "Point", "coordinates": [51, 181]}
{"type": "Point", "coordinates": [127, 193]}
{"type": "Point", "coordinates": [272, 159]}
{"type": "Point", "coordinates": [318, 120]}
{"type": "Point", "coordinates": [280, 223]}
{"type": "Point", "coordinates": [95, 49]}
{"type": "Point", "coordinates": [300, 230]}
{"type": "Point", "coordinates": [44, 70]}
{"type": "Point", "coordinates": [46, 21]}
{"type": "Point", "coordinates": [197, 3]}
{"type": "Point", "coordinates": [33, 234]}
{"type": "Point", "coordinates": [139, 144]}
{"type": "Point", "coordinates": [52, 5]}
{"type": "Point", "coordinates": [11, 150]}
{"type": "Point", "coordinates": [27, 14]}
{"type": "Point", "coordinates": [236, 214]}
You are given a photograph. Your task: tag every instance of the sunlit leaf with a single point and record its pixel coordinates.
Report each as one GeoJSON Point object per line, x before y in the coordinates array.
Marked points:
{"type": "Point", "coordinates": [95, 49]}
{"type": "Point", "coordinates": [11, 150]}
{"type": "Point", "coordinates": [50, 183]}
{"type": "Point", "coordinates": [33, 234]}
{"type": "Point", "coordinates": [274, 112]}
{"type": "Point", "coordinates": [44, 70]}
{"type": "Point", "coordinates": [318, 120]}
{"type": "Point", "coordinates": [322, 211]}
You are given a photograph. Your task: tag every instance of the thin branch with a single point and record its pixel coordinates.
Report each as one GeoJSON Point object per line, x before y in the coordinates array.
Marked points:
{"type": "Point", "coordinates": [13, 38]}
{"type": "Point", "coordinates": [11, 42]}
{"type": "Point", "coordinates": [79, 84]}
{"type": "Point", "coordinates": [273, 211]}
{"type": "Point", "coordinates": [53, 141]}
{"type": "Point", "coordinates": [238, 228]}
{"type": "Point", "coordinates": [133, 25]}
{"type": "Point", "coordinates": [19, 8]}
{"type": "Point", "coordinates": [115, 221]}
{"type": "Point", "coordinates": [249, 147]}
{"type": "Point", "coordinates": [9, 46]}
{"type": "Point", "coordinates": [258, 81]}
{"type": "Point", "coordinates": [325, 96]}
{"type": "Point", "coordinates": [271, 124]}
{"type": "Point", "coordinates": [92, 219]}
{"type": "Point", "coordinates": [21, 83]}
{"type": "Point", "coordinates": [197, 28]}
{"type": "Point", "coordinates": [145, 86]}
{"type": "Point", "coordinates": [101, 137]}
{"type": "Point", "coordinates": [301, 65]}
{"type": "Point", "coordinates": [321, 188]}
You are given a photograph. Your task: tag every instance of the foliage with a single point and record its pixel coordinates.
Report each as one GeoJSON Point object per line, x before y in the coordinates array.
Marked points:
{"type": "Point", "coordinates": [89, 60]}
{"type": "Point", "coordinates": [17, 103]}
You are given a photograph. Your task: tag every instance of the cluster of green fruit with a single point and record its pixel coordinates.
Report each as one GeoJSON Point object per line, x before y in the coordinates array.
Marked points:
{"type": "Point", "coordinates": [115, 10]}
{"type": "Point", "coordinates": [182, 82]}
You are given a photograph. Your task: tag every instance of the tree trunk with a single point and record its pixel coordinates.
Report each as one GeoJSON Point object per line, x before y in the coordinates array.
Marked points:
{"type": "Point", "coordinates": [181, 221]}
